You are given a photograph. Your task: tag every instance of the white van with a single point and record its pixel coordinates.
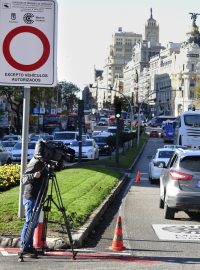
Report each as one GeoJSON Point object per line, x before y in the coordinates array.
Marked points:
{"type": "Point", "coordinates": [187, 130]}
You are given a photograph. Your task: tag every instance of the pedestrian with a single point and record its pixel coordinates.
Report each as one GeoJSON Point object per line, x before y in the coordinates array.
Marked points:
{"type": "Point", "coordinates": [32, 182]}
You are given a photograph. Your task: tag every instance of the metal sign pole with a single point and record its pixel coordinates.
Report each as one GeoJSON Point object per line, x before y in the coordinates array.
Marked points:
{"type": "Point", "coordinates": [25, 130]}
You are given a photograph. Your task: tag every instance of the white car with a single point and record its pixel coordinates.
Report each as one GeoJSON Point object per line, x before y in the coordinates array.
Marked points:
{"type": "Point", "coordinates": [157, 163]}
{"type": "Point", "coordinates": [90, 149]}
{"type": "Point", "coordinates": [17, 151]}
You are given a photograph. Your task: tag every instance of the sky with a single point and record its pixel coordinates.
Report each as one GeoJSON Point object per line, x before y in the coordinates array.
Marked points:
{"type": "Point", "coordinates": [85, 29]}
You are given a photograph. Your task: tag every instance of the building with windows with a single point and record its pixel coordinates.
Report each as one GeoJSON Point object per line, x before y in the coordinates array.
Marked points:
{"type": "Point", "coordinates": [136, 75]}
{"type": "Point", "coordinates": [120, 53]}
{"type": "Point", "coordinates": [171, 73]}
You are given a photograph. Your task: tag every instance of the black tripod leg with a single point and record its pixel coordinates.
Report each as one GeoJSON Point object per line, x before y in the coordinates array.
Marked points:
{"type": "Point", "coordinates": [60, 207]}
{"type": "Point", "coordinates": [69, 233]}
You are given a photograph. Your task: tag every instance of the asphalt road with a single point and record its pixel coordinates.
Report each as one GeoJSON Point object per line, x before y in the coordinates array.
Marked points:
{"type": "Point", "coordinates": [147, 236]}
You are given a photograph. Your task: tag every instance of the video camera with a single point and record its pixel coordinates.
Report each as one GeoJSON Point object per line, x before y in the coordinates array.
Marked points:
{"type": "Point", "coordinates": [53, 151]}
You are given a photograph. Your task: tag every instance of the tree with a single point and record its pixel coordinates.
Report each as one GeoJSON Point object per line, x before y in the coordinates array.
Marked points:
{"type": "Point", "coordinates": [14, 97]}
{"type": "Point", "coordinates": [68, 92]}
{"type": "Point", "coordinates": [124, 103]}
{"type": "Point", "coordinates": [42, 94]}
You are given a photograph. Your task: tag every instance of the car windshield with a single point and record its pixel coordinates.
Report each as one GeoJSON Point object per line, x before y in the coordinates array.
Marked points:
{"type": "Point", "coordinates": [8, 143]}
{"type": "Point", "coordinates": [18, 146]}
{"type": "Point", "coordinates": [165, 154]}
{"type": "Point", "coordinates": [84, 143]}
{"type": "Point", "coordinates": [100, 139]}
{"type": "Point", "coordinates": [191, 163]}
{"type": "Point", "coordinates": [10, 138]}
{"type": "Point", "coordinates": [64, 136]}
{"type": "Point", "coordinates": [87, 143]}
{"type": "Point", "coordinates": [35, 138]}
{"type": "Point", "coordinates": [112, 130]}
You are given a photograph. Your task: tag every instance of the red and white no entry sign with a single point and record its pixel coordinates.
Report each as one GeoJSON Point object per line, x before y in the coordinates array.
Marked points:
{"type": "Point", "coordinates": [22, 29]}
{"type": "Point", "coordinates": [28, 42]}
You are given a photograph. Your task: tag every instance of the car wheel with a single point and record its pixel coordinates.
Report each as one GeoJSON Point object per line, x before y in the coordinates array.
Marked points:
{"type": "Point", "coordinates": [151, 180]}
{"type": "Point", "coordinates": [161, 204]}
{"type": "Point", "coordinates": [168, 212]}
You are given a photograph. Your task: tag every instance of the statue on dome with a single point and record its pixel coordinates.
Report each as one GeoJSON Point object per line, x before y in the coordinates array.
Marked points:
{"type": "Point", "coordinates": [194, 18]}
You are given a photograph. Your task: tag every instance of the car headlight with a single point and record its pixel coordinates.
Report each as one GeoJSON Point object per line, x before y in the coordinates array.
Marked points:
{"type": "Point", "coordinates": [90, 150]}
{"type": "Point", "coordinates": [106, 146]}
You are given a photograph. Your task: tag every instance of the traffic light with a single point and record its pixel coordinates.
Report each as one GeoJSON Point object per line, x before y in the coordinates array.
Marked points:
{"type": "Point", "coordinates": [118, 109]}
{"type": "Point", "coordinates": [81, 108]}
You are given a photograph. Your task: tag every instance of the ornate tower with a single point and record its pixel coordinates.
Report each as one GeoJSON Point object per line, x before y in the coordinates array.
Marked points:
{"type": "Point", "coordinates": [151, 30]}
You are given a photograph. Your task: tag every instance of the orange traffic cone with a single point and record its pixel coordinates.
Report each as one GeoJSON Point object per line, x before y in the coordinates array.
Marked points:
{"type": "Point", "coordinates": [117, 244]}
{"type": "Point", "coordinates": [39, 240]}
{"type": "Point", "coordinates": [137, 179]}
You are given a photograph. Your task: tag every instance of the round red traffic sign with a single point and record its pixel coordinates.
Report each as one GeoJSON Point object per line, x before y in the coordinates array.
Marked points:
{"type": "Point", "coordinates": [22, 29]}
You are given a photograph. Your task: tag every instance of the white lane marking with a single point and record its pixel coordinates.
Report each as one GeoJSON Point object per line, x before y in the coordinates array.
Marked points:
{"type": "Point", "coordinates": [102, 252]}
{"type": "Point", "coordinates": [176, 232]}
{"type": "Point", "coordinates": [6, 254]}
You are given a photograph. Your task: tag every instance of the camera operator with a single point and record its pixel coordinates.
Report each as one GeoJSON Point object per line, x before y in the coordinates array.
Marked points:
{"type": "Point", "coordinates": [32, 181]}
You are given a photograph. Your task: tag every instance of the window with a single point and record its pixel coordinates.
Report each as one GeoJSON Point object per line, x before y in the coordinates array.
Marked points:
{"type": "Point", "coordinates": [192, 120]}
{"type": "Point", "coordinates": [192, 67]}
{"type": "Point", "coordinates": [165, 154]}
{"type": "Point", "coordinates": [191, 163]}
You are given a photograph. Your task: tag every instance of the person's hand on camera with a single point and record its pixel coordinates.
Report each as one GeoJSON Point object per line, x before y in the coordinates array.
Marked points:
{"type": "Point", "coordinates": [37, 174]}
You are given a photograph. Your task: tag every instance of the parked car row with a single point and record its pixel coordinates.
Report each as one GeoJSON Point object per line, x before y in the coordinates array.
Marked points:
{"type": "Point", "coordinates": [92, 146]}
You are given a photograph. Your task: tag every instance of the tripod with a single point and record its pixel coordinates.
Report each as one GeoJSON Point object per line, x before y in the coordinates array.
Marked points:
{"type": "Point", "coordinates": [44, 201]}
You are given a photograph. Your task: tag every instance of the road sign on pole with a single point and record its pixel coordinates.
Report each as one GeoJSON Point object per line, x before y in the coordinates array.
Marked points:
{"type": "Point", "coordinates": [28, 40]}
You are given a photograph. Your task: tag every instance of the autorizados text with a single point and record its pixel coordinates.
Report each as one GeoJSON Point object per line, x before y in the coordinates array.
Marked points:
{"type": "Point", "coordinates": [26, 77]}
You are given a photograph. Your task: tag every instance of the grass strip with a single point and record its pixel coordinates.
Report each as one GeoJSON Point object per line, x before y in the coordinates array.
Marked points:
{"type": "Point", "coordinates": [82, 190]}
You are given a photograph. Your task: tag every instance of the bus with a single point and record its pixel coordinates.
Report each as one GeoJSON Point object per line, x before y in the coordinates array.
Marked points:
{"type": "Point", "coordinates": [187, 130]}
{"type": "Point", "coordinates": [54, 122]}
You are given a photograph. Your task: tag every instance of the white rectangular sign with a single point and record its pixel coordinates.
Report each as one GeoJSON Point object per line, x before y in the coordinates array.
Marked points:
{"type": "Point", "coordinates": [28, 42]}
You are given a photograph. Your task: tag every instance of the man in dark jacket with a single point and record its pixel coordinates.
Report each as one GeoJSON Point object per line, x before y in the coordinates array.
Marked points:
{"type": "Point", "coordinates": [32, 181]}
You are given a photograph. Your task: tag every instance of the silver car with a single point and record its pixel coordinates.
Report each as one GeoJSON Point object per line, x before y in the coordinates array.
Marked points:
{"type": "Point", "coordinates": [180, 184]}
